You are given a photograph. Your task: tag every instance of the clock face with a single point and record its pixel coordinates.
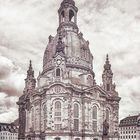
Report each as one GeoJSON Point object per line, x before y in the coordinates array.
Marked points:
{"type": "Point", "coordinates": [59, 61]}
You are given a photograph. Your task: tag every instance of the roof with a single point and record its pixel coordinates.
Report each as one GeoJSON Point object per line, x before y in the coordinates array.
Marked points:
{"type": "Point", "coordinates": [16, 122]}
{"type": "Point", "coordinates": [8, 127]}
{"type": "Point", "coordinates": [130, 121]}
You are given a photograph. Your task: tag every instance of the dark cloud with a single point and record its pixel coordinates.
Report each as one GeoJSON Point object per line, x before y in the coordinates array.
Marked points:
{"type": "Point", "coordinates": [9, 90]}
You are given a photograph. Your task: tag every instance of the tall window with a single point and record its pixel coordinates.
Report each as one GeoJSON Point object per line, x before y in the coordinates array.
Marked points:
{"type": "Point", "coordinates": [57, 115]}
{"type": "Point", "coordinates": [71, 16]}
{"type": "Point", "coordinates": [57, 72]}
{"type": "Point", "coordinates": [108, 87]}
{"type": "Point", "coordinates": [76, 117]}
{"type": "Point", "coordinates": [94, 118]}
{"type": "Point", "coordinates": [107, 115]}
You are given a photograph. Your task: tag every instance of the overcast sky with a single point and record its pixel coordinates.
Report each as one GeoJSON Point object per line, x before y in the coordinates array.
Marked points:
{"type": "Point", "coordinates": [111, 26]}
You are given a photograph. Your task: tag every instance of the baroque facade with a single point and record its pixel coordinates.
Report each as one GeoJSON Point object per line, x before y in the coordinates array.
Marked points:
{"type": "Point", "coordinates": [64, 102]}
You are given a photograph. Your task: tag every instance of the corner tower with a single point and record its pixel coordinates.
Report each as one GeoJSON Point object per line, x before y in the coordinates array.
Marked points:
{"type": "Point", "coordinates": [107, 77]}
{"type": "Point", "coordinates": [30, 81]}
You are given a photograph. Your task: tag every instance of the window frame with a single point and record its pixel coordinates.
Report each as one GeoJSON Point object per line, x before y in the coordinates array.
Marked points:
{"type": "Point", "coordinates": [76, 111]}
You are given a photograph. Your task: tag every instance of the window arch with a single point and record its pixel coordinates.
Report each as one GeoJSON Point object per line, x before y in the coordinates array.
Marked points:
{"type": "Point", "coordinates": [76, 117]}
{"type": "Point", "coordinates": [58, 72]}
{"type": "Point", "coordinates": [94, 118]}
{"type": "Point", "coordinates": [58, 105]}
{"type": "Point", "coordinates": [57, 115]}
{"type": "Point", "coordinates": [71, 16]}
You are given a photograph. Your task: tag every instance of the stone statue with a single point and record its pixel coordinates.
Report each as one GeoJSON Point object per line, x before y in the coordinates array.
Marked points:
{"type": "Point", "coordinates": [105, 128]}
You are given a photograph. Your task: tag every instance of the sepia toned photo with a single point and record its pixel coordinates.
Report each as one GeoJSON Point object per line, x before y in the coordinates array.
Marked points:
{"type": "Point", "coordinates": [69, 70]}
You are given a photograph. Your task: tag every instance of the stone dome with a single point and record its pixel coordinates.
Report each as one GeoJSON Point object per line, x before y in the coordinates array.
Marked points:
{"type": "Point", "coordinates": [76, 50]}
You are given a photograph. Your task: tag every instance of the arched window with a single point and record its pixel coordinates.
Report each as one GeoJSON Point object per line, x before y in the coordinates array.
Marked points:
{"type": "Point", "coordinates": [71, 16]}
{"type": "Point", "coordinates": [107, 115]}
{"type": "Point", "coordinates": [62, 16]}
{"type": "Point", "coordinates": [94, 118]}
{"type": "Point", "coordinates": [108, 87]}
{"type": "Point", "coordinates": [57, 105]}
{"type": "Point", "coordinates": [76, 117]}
{"type": "Point", "coordinates": [77, 138]}
{"type": "Point", "coordinates": [57, 115]}
{"type": "Point", "coordinates": [58, 72]}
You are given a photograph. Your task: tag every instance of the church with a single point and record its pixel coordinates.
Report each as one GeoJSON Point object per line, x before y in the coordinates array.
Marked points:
{"type": "Point", "coordinates": [64, 102]}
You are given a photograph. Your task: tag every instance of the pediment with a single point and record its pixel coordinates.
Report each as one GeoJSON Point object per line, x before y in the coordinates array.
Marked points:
{"type": "Point", "coordinates": [97, 91]}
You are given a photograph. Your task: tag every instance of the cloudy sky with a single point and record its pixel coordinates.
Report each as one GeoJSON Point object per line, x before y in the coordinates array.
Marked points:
{"type": "Point", "coordinates": [111, 26]}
